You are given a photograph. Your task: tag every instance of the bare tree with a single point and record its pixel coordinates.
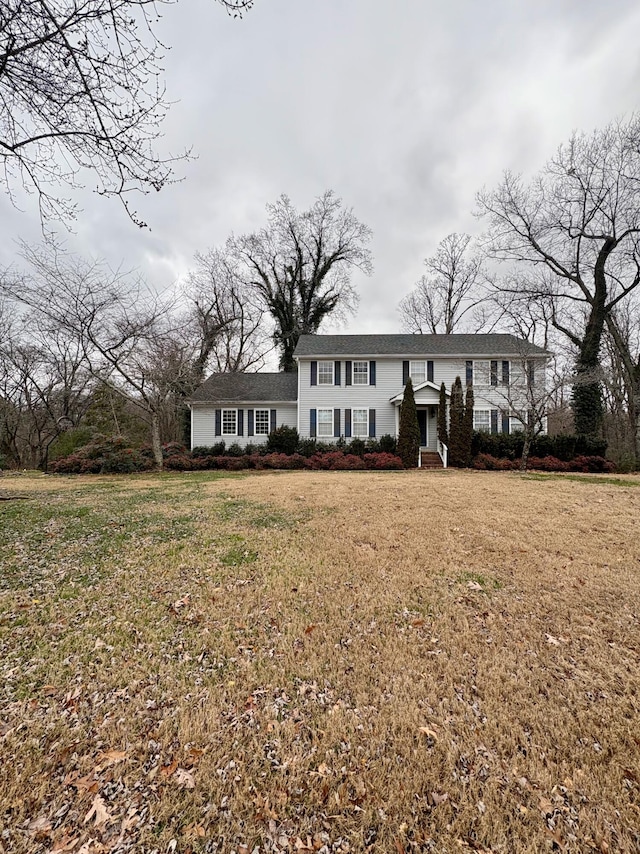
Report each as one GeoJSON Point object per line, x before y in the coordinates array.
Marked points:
{"type": "Point", "coordinates": [622, 379]}
{"type": "Point", "coordinates": [577, 225]}
{"type": "Point", "coordinates": [126, 334]}
{"type": "Point", "coordinates": [80, 90]}
{"type": "Point", "coordinates": [449, 295]}
{"type": "Point", "coordinates": [228, 320]}
{"type": "Point", "coordinates": [300, 265]}
{"type": "Point", "coordinates": [44, 389]}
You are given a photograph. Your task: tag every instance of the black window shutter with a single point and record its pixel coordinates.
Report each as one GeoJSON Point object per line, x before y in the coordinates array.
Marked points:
{"type": "Point", "coordinates": [494, 372]}
{"type": "Point", "coordinates": [336, 373]}
{"type": "Point", "coordinates": [240, 422]}
{"type": "Point", "coordinates": [312, 423]}
{"type": "Point", "coordinates": [218, 429]}
{"type": "Point", "coordinates": [505, 373]}
{"type": "Point", "coordinates": [272, 420]}
{"type": "Point", "coordinates": [405, 372]}
{"type": "Point", "coordinates": [372, 423]}
{"type": "Point", "coordinates": [314, 373]}
{"type": "Point", "coordinates": [469, 372]}
{"type": "Point", "coordinates": [347, 373]}
{"type": "Point", "coordinates": [430, 370]}
{"type": "Point", "coordinates": [372, 373]}
{"type": "Point", "coordinates": [505, 423]}
{"type": "Point", "coordinates": [336, 423]}
{"type": "Point", "coordinates": [494, 420]}
{"type": "Point", "coordinates": [249, 422]}
{"type": "Point", "coordinates": [347, 423]}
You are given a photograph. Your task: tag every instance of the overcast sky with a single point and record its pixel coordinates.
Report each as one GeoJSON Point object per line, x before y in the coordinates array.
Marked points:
{"type": "Point", "coordinates": [404, 108]}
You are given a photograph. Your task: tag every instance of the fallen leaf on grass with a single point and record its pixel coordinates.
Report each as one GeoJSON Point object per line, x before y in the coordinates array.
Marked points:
{"type": "Point", "coordinates": [473, 585]}
{"type": "Point", "coordinates": [169, 770]}
{"type": "Point", "coordinates": [430, 733]}
{"type": "Point", "coordinates": [438, 799]}
{"type": "Point", "coordinates": [551, 640]}
{"type": "Point", "coordinates": [39, 826]}
{"type": "Point", "coordinates": [98, 811]}
{"type": "Point", "coordinates": [110, 757]}
{"type": "Point", "coordinates": [65, 843]}
{"type": "Point", "coordinates": [310, 628]}
{"type": "Point", "coordinates": [184, 779]}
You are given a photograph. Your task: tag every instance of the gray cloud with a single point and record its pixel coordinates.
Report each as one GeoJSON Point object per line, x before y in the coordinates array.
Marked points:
{"type": "Point", "coordinates": [404, 109]}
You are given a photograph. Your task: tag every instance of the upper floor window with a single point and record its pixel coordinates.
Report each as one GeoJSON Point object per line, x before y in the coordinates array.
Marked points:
{"type": "Point", "coordinates": [229, 422]}
{"type": "Point", "coordinates": [261, 419]}
{"type": "Point", "coordinates": [361, 373]}
{"type": "Point", "coordinates": [325, 373]}
{"type": "Point", "coordinates": [417, 372]}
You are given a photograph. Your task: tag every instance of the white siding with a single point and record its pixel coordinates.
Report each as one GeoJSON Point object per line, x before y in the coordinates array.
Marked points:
{"type": "Point", "coordinates": [203, 423]}
{"type": "Point", "coordinates": [389, 384]}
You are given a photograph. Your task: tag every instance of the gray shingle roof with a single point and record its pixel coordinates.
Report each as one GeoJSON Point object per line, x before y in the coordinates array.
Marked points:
{"type": "Point", "coordinates": [252, 387]}
{"type": "Point", "coordinates": [492, 344]}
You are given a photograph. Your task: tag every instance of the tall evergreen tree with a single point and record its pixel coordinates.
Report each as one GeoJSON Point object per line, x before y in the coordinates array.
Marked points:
{"type": "Point", "coordinates": [456, 425]}
{"type": "Point", "coordinates": [443, 433]}
{"type": "Point", "coordinates": [409, 433]}
{"type": "Point", "coordinates": [467, 425]}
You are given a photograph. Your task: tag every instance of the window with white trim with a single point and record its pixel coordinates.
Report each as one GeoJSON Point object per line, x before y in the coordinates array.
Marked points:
{"type": "Point", "coordinates": [325, 373]}
{"type": "Point", "coordinates": [360, 373]}
{"type": "Point", "coordinates": [261, 422]}
{"type": "Point", "coordinates": [229, 422]}
{"type": "Point", "coordinates": [515, 424]}
{"type": "Point", "coordinates": [325, 423]}
{"type": "Point", "coordinates": [360, 423]}
{"type": "Point", "coordinates": [417, 372]}
{"type": "Point", "coordinates": [482, 420]}
{"type": "Point", "coordinates": [481, 372]}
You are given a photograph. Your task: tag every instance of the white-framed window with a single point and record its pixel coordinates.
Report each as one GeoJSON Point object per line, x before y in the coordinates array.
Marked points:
{"type": "Point", "coordinates": [325, 373]}
{"type": "Point", "coordinates": [360, 423]}
{"type": "Point", "coordinates": [481, 372]}
{"type": "Point", "coordinates": [324, 423]}
{"type": "Point", "coordinates": [515, 424]}
{"type": "Point", "coordinates": [261, 422]}
{"type": "Point", "coordinates": [360, 373]}
{"type": "Point", "coordinates": [229, 422]}
{"type": "Point", "coordinates": [482, 420]}
{"type": "Point", "coordinates": [417, 372]}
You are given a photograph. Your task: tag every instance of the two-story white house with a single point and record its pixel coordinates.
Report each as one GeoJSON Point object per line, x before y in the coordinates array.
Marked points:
{"type": "Point", "coordinates": [352, 386]}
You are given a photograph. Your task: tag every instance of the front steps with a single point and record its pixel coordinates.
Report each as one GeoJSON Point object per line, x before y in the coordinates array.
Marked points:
{"type": "Point", "coordinates": [430, 460]}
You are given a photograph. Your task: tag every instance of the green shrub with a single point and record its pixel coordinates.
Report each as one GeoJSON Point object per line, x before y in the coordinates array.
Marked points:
{"type": "Point", "coordinates": [387, 444]}
{"type": "Point", "coordinates": [357, 447]}
{"type": "Point", "coordinates": [283, 440]}
{"type": "Point", "coordinates": [211, 451]}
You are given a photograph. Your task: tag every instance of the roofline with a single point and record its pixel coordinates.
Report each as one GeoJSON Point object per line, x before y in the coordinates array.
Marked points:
{"type": "Point", "coordinates": [477, 354]}
{"type": "Point", "coordinates": [243, 400]}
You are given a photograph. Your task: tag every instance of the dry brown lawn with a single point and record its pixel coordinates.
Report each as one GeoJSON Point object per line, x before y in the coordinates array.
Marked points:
{"type": "Point", "coordinates": [290, 662]}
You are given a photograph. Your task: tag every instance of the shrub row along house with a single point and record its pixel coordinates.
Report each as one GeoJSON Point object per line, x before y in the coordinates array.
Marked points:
{"type": "Point", "coordinates": [352, 386]}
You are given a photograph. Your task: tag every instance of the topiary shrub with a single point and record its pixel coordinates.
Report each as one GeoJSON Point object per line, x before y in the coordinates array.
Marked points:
{"type": "Point", "coordinates": [283, 440]}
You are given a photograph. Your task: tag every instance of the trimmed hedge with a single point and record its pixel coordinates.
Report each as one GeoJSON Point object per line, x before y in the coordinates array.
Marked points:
{"type": "Point", "coordinates": [583, 464]}
{"type": "Point", "coordinates": [509, 446]}
{"type": "Point", "coordinates": [111, 456]}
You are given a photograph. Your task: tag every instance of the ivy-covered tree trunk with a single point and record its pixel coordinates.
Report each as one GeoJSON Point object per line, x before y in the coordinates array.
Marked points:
{"type": "Point", "coordinates": [456, 424]}
{"type": "Point", "coordinates": [408, 446]}
{"type": "Point", "coordinates": [443, 433]}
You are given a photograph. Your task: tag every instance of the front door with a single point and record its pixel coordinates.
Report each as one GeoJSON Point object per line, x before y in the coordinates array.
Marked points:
{"type": "Point", "coordinates": [422, 423]}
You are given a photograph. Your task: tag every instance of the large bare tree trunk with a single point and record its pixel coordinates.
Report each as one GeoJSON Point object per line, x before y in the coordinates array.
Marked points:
{"type": "Point", "coordinates": [156, 444]}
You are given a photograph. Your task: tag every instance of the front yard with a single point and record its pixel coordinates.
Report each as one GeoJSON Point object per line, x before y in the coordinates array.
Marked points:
{"type": "Point", "coordinates": [320, 661]}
